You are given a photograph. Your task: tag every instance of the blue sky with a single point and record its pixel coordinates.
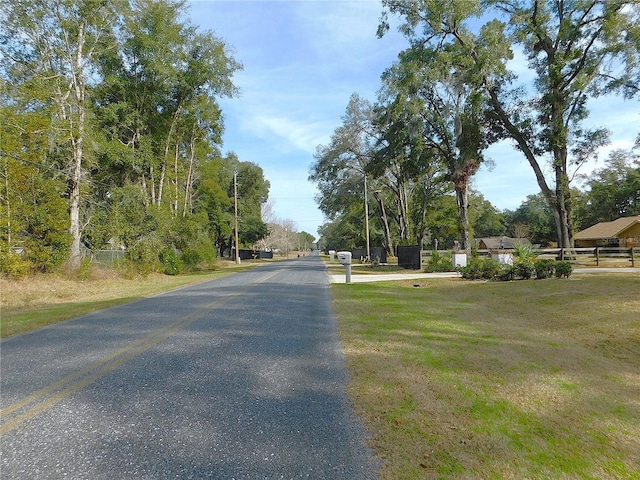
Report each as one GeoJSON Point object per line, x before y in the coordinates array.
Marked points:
{"type": "Point", "coordinates": [302, 61]}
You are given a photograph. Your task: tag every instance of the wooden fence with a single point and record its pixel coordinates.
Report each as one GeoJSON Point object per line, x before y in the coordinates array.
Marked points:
{"type": "Point", "coordinates": [594, 255]}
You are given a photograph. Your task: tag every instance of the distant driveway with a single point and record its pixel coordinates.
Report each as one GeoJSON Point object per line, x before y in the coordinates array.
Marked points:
{"type": "Point", "coordinates": [239, 377]}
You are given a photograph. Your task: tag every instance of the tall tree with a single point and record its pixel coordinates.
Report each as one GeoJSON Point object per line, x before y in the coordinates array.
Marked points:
{"type": "Point", "coordinates": [158, 98]}
{"type": "Point", "coordinates": [442, 117]}
{"type": "Point", "coordinates": [340, 168]}
{"type": "Point", "coordinates": [53, 44]}
{"type": "Point", "coordinates": [120, 97]}
{"type": "Point", "coordinates": [613, 191]}
{"type": "Point", "coordinates": [306, 240]}
{"type": "Point", "coordinates": [253, 190]}
{"type": "Point", "coordinates": [533, 215]}
{"type": "Point", "coordinates": [212, 197]}
{"type": "Point", "coordinates": [577, 50]}
{"type": "Point", "coordinates": [487, 220]}
{"type": "Point", "coordinates": [398, 161]}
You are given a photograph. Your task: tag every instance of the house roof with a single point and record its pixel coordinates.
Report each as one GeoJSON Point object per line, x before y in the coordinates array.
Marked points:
{"type": "Point", "coordinates": [607, 229]}
{"type": "Point", "coordinates": [502, 242]}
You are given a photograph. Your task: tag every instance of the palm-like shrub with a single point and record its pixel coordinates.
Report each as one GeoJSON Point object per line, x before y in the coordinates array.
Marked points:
{"type": "Point", "coordinates": [524, 263]}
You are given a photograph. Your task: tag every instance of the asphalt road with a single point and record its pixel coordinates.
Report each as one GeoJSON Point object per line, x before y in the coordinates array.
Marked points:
{"type": "Point", "coordinates": [237, 378]}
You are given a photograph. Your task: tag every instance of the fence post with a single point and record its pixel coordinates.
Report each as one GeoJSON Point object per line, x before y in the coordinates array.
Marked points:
{"type": "Point", "coordinates": [633, 260]}
{"type": "Point", "coordinates": [597, 257]}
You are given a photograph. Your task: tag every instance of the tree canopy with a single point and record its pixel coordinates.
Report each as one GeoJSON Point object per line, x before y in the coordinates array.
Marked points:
{"type": "Point", "coordinates": [453, 92]}
{"type": "Point", "coordinates": [110, 111]}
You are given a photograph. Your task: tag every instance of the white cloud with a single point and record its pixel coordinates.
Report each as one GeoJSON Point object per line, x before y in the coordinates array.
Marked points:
{"type": "Point", "coordinates": [293, 133]}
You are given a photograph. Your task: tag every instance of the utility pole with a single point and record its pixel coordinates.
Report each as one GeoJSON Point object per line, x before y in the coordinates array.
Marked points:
{"type": "Point", "coordinates": [235, 206]}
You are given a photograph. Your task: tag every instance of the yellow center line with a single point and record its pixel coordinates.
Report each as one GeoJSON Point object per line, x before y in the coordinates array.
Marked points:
{"type": "Point", "coordinates": [106, 365]}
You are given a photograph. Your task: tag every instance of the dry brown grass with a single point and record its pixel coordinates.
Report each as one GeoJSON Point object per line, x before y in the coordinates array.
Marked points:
{"type": "Point", "coordinates": [32, 302]}
{"type": "Point", "coordinates": [52, 289]}
{"type": "Point", "coordinates": [529, 379]}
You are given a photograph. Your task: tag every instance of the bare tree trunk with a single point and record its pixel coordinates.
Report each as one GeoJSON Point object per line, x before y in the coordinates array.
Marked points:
{"type": "Point", "coordinates": [167, 145]}
{"type": "Point", "coordinates": [7, 202]}
{"type": "Point", "coordinates": [152, 178]}
{"type": "Point", "coordinates": [145, 193]}
{"type": "Point", "coordinates": [562, 193]}
{"type": "Point", "coordinates": [463, 212]}
{"type": "Point", "coordinates": [175, 173]}
{"type": "Point", "coordinates": [75, 256]}
{"type": "Point", "coordinates": [163, 170]}
{"type": "Point", "coordinates": [385, 224]}
{"type": "Point", "coordinates": [403, 211]}
{"type": "Point", "coordinates": [560, 214]}
{"type": "Point", "coordinates": [187, 190]}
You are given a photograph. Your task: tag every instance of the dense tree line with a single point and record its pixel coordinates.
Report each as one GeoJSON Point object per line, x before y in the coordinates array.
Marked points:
{"type": "Point", "coordinates": [111, 136]}
{"type": "Point", "coordinates": [451, 94]}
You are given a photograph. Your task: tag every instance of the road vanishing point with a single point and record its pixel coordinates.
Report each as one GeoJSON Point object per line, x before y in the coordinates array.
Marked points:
{"type": "Point", "coordinates": [241, 377]}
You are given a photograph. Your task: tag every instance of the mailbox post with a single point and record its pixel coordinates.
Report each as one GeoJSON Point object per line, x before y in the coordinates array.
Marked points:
{"type": "Point", "coordinates": [345, 259]}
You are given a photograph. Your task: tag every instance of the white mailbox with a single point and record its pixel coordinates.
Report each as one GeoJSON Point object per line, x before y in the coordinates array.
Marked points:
{"type": "Point", "coordinates": [344, 258]}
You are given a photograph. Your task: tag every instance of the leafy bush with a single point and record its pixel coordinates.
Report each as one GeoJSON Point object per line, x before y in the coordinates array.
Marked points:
{"type": "Point", "coordinates": [14, 265]}
{"type": "Point", "coordinates": [191, 259]}
{"type": "Point", "coordinates": [199, 254]}
{"type": "Point", "coordinates": [508, 273]}
{"type": "Point", "coordinates": [541, 268]}
{"type": "Point", "coordinates": [473, 269]}
{"type": "Point", "coordinates": [481, 268]}
{"type": "Point", "coordinates": [545, 268]}
{"type": "Point", "coordinates": [171, 262]}
{"type": "Point", "coordinates": [39, 222]}
{"type": "Point", "coordinates": [143, 256]}
{"type": "Point", "coordinates": [491, 269]}
{"type": "Point", "coordinates": [439, 263]}
{"type": "Point", "coordinates": [524, 266]}
{"type": "Point", "coordinates": [524, 269]}
{"type": "Point", "coordinates": [563, 269]}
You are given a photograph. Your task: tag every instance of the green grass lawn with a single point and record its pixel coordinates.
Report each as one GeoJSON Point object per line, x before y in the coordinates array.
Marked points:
{"type": "Point", "coordinates": [519, 380]}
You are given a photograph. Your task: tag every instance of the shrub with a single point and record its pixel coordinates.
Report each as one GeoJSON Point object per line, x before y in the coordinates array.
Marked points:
{"type": "Point", "coordinates": [473, 269]}
{"type": "Point", "coordinates": [171, 262]}
{"type": "Point", "coordinates": [508, 273]}
{"type": "Point", "coordinates": [144, 255]}
{"type": "Point", "coordinates": [14, 265]}
{"type": "Point", "coordinates": [563, 269]}
{"type": "Point", "coordinates": [481, 268]}
{"type": "Point", "coordinates": [44, 255]}
{"type": "Point", "coordinates": [439, 263]}
{"type": "Point", "coordinates": [524, 264]}
{"type": "Point", "coordinates": [524, 269]}
{"type": "Point", "coordinates": [191, 259]}
{"type": "Point", "coordinates": [545, 268]}
{"type": "Point", "coordinates": [525, 253]}
{"type": "Point", "coordinates": [491, 269]}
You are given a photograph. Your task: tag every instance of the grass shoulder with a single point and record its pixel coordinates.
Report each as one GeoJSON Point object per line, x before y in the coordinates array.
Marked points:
{"type": "Point", "coordinates": [525, 379]}
{"type": "Point", "coordinates": [36, 301]}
